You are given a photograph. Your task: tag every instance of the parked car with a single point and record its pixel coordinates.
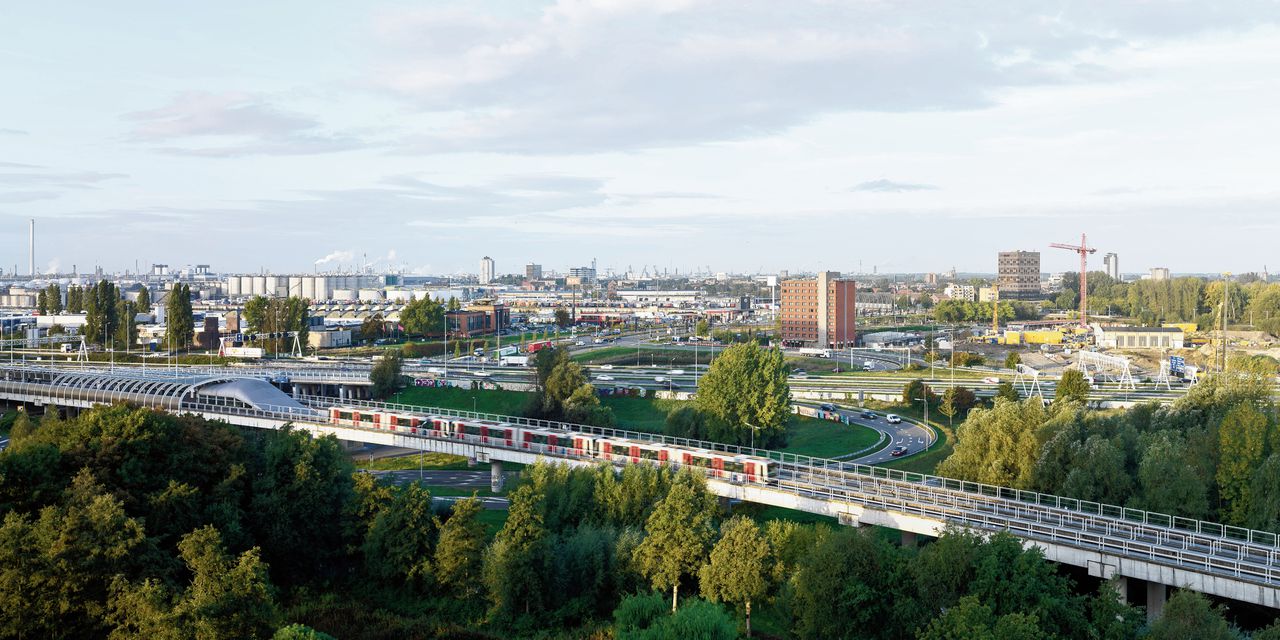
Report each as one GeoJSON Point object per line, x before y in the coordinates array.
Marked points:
{"type": "Point", "coordinates": [893, 419]}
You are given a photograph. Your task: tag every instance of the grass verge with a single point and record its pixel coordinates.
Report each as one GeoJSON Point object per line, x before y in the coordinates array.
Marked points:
{"type": "Point", "coordinates": [431, 461]}
{"type": "Point", "coordinates": [825, 438]}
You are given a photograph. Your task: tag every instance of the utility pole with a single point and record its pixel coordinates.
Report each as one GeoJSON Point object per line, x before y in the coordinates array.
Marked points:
{"type": "Point", "coordinates": [1226, 297]}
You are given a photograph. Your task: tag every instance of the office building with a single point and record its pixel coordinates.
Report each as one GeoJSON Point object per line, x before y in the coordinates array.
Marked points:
{"type": "Point", "coordinates": [1159, 273]}
{"type": "Point", "coordinates": [585, 275]}
{"type": "Point", "coordinates": [957, 291]}
{"type": "Point", "coordinates": [1111, 262]}
{"type": "Point", "coordinates": [486, 270]}
{"type": "Point", "coordinates": [1018, 274]}
{"type": "Point", "coordinates": [821, 312]}
{"type": "Point", "coordinates": [532, 271]}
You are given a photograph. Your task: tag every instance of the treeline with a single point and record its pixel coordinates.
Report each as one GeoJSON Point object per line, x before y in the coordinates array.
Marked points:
{"type": "Point", "coordinates": [1187, 299]}
{"type": "Point", "coordinates": [125, 523]}
{"type": "Point", "coordinates": [743, 398]}
{"type": "Point", "coordinates": [1214, 454]}
{"type": "Point", "coordinates": [965, 311]}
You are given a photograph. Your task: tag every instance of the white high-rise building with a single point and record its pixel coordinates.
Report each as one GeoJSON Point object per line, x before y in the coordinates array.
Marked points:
{"type": "Point", "coordinates": [1112, 263]}
{"type": "Point", "coordinates": [486, 270]}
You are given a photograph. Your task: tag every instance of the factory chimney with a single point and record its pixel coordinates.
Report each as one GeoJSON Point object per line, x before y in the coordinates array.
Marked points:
{"type": "Point", "coordinates": [33, 247]}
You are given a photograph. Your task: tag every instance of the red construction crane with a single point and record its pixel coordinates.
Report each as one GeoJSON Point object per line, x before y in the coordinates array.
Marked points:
{"type": "Point", "coordinates": [1084, 250]}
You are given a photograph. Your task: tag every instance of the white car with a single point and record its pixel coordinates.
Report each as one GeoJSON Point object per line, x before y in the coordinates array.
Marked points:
{"type": "Point", "coordinates": [659, 379]}
{"type": "Point", "coordinates": [483, 374]}
{"type": "Point", "coordinates": [605, 378]}
{"type": "Point", "coordinates": [580, 344]}
{"type": "Point", "coordinates": [893, 419]}
{"type": "Point", "coordinates": [607, 367]}
{"type": "Point", "coordinates": [677, 372]}
{"type": "Point", "coordinates": [435, 369]}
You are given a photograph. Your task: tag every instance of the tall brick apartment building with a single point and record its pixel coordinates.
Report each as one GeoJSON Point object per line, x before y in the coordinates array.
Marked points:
{"type": "Point", "coordinates": [820, 312]}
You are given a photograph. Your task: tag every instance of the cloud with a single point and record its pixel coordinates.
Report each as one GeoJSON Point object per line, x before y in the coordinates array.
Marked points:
{"type": "Point", "coordinates": [338, 257]}
{"type": "Point", "coordinates": [889, 186]}
{"type": "Point", "coordinates": [585, 77]}
{"type": "Point", "coordinates": [13, 132]}
{"type": "Point", "coordinates": [31, 183]}
{"type": "Point", "coordinates": [224, 125]}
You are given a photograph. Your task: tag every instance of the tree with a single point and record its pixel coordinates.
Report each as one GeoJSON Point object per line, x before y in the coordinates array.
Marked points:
{"type": "Point", "coordinates": [143, 303]}
{"type": "Point", "coordinates": [386, 376]}
{"type": "Point", "coordinates": [127, 333]}
{"type": "Point", "coordinates": [915, 391]}
{"type": "Point", "coordinates": [454, 305]}
{"type": "Point", "coordinates": [998, 446]}
{"type": "Point", "coordinates": [702, 328]}
{"type": "Point", "coordinates": [515, 565]}
{"type": "Point", "coordinates": [738, 566]}
{"type": "Point", "coordinates": [373, 327]}
{"type": "Point", "coordinates": [679, 534]}
{"type": "Point", "coordinates": [562, 317]}
{"type": "Point", "coordinates": [178, 318]}
{"type": "Point", "coordinates": [972, 620]}
{"type": "Point", "coordinates": [460, 549]}
{"type": "Point", "coordinates": [839, 586]}
{"type": "Point", "coordinates": [1188, 614]}
{"type": "Point", "coordinates": [1169, 480]}
{"type": "Point", "coordinates": [1012, 360]}
{"type": "Point", "coordinates": [402, 538]}
{"type": "Point", "coordinates": [1006, 391]}
{"type": "Point", "coordinates": [300, 632]}
{"type": "Point", "coordinates": [228, 598]}
{"type": "Point", "coordinates": [423, 317]}
{"type": "Point", "coordinates": [746, 391]}
{"type": "Point", "coordinates": [101, 313]}
{"type": "Point", "coordinates": [1072, 387]}
{"type": "Point", "coordinates": [1242, 443]}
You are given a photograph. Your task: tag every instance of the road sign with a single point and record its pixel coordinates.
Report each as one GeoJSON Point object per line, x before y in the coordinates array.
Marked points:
{"type": "Point", "coordinates": [1177, 365]}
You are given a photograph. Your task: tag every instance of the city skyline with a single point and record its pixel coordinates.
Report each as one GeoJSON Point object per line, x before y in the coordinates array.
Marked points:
{"type": "Point", "coordinates": [290, 139]}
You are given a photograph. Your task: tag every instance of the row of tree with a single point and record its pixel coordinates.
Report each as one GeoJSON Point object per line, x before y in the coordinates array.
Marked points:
{"type": "Point", "coordinates": [125, 523]}
{"type": "Point", "coordinates": [1214, 454]}
{"type": "Point", "coordinates": [270, 319]}
{"type": "Point", "coordinates": [965, 311]}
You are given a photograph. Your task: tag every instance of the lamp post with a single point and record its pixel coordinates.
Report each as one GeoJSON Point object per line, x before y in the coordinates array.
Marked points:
{"type": "Point", "coordinates": [753, 434]}
{"type": "Point", "coordinates": [925, 400]}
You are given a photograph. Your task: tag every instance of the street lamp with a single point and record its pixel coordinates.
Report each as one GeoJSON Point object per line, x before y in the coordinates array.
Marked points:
{"type": "Point", "coordinates": [925, 400]}
{"type": "Point", "coordinates": [753, 433]}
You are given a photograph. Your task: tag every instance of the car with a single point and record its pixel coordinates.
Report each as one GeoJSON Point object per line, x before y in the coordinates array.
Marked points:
{"type": "Point", "coordinates": [868, 366]}
{"type": "Point", "coordinates": [483, 374]}
{"type": "Point", "coordinates": [869, 415]}
{"type": "Point", "coordinates": [607, 367]}
{"type": "Point", "coordinates": [893, 419]}
{"type": "Point", "coordinates": [827, 406]}
{"type": "Point", "coordinates": [799, 374]}
{"type": "Point", "coordinates": [898, 451]}
{"type": "Point", "coordinates": [598, 341]}
{"type": "Point", "coordinates": [435, 369]}
{"type": "Point", "coordinates": [605, 378]}
{"type": "Point", "coordinates": [677, 372]}
{"type": "Point", "coordinates": [580, 344]}
{"type": "Point", "coordinates": [659, 378]}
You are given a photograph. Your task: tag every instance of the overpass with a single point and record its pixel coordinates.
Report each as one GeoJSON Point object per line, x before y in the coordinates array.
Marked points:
{"type": "Point", "coordinates": [1110, 542]}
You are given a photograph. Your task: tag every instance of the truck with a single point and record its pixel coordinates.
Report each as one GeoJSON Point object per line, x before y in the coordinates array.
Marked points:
{"type": "Point", "coordinates": [508, 351]}
{"type": "Point", "coordinates": [514, 361]}
{"type": "Point", "coordinates": [535, 347]}
{"type": "Point", "coordinates": [815, 353]}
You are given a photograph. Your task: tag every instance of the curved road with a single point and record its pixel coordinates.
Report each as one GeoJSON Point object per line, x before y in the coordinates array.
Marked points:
{"type": "Point", "coordinates": [914, 436]}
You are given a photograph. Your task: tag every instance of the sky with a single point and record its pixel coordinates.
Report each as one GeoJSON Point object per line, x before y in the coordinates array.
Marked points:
{"type": "Point", "coordinates": [729, 135]}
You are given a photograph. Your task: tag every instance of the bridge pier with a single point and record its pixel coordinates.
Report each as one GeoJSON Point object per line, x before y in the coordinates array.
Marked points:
{"type": "Point", "coordinates": [1121, 584]}
{"type": "Point", "coordinates": [1156, 595]}
{"type": "Point", "coordinates": [908, 540]}
{"type": "Point", "coordinates": [495, 475]}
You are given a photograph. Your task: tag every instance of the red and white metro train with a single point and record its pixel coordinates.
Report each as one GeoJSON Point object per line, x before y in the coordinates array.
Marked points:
{"type": "Point", "coordinates": [716, 464]}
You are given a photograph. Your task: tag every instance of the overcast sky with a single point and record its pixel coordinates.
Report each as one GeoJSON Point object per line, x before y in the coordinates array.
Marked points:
{"type": "Point", "coordinates": [740, 135]}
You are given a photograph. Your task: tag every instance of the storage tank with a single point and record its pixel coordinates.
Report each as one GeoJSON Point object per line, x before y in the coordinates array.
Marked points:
{"type": "Point", "coordinates": [278, 286]}
{"type": "Point", "coordinates": [233, 286]}
{"type": "Point", "coordinates": [345, 295]}
{"type": "Point", "coordinates": [309, 288]}
{"type": "Point", "coordinates": [259, 285]}
{"type": "Point", "coordinates": [246, 285]}
{"type": "Point", "coordinates": [295, 287]}
{"type": "Point", "coordinates": [371, 295]}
